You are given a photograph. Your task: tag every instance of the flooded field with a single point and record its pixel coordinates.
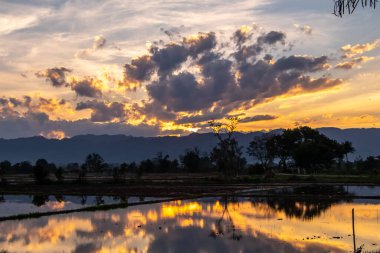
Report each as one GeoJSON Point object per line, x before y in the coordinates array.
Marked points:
{"type": "Point", "coordinates": [213, 224]}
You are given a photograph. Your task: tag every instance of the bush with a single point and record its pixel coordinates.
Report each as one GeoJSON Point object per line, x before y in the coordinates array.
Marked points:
{"type": "Point", "coordinates": [256, 169]}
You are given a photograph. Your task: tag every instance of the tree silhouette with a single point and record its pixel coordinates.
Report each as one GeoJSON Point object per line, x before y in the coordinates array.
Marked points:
{"type": "Point", "coordinates": [227, 154]}
{"type": "Point", "coordinates": [5, 166]}
{"type": "Point", "coordinates": [347, 148]}
{"type": "Point", "coordinates": [94, 162]}
{"type": "Point", "coordinates": [191, 160]}
{"type": "Point", "coordinates": [225, 226]}
{"type": "Point", "coordinates": [349, 6]}
{"type": "Point", "coordinates": [306, 206]}
{"type": "Point", "coordinates": [40, 200]}
{"type": "Point", "coordinates": [41, 171]}
{"type": "Point", "coordinates": [262, 149]}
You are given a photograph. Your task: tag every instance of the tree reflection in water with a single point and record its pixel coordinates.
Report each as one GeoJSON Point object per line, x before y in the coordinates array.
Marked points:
{"type": "Point", "coordinates": [59, 198]}
{"type": "Point", "coordinates": [224, 226]}
{"type": "Point", "coordinates": [83, 200]}
{"type": "Point", "coordinates": [305, 203]}
{"type": "Point", "coordinates": [40, 200]}
{"type": "Point", "coordinates": [99, 200]}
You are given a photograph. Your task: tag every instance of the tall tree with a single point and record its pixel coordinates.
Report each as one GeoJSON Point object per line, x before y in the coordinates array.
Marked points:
{"type": "Point", "coordinates": [262, 148]}
{"type": "Point", "coordinates": [227, 154]}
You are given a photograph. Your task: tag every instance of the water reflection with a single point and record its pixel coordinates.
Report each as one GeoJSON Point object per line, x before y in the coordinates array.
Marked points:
{"type": "Point", "coordinates": [307, 205]}
{"type": "Point", "coordinates": [25, 204]}
{"type": "Point", "coordinates": [205, 225]}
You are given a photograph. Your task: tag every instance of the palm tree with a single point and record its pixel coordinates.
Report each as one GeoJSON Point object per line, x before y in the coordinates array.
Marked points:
{"type": "Point", "coordinates": [349, 6]}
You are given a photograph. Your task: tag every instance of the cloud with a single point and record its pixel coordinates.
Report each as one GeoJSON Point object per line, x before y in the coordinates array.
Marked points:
{"type": "Point", "coordinates": [98, 42]}
{"type": "Point", "coordinates": [353, 63]}
{"type": "Point", "coordinates": [84, 87]}
{"type": "Point", "coordinates": [37, 108]}
{"type": "Point", "coordinates": [350, 51]}
{"type": "Point", "coordinates": [103, 112]}
{"type": "Point", "coordinates": [88, 87]}
{"type": "Point", "coordinates": [272, 38]}
{"type": "Point", "coordinates": [304, 28]}
{"type": "Point", "coordinates": [54, 134]}
{"type": "Point", "coordinates": [15, 102]}
{"type": "Point", "coordinates": [12, 23]}
{"type": "Point", "coordinates": [39, 117]}
{"type": "Point", "coordinates": [240, 36]}
{"type": "Point", "coordinates": [194, 75]}
{"type": "Point", "coordinates": [14, 127]}
{"type": "Point", "coordinates": [199, 118]}
{"type": "Point", "coordinates": [173, 33]}
{"type": "Point", "coordinates": [56, 76]}
{"type": "Point", "coordinates": [258, 118]}
{"type": "Point", "coordinates": [140, 69]}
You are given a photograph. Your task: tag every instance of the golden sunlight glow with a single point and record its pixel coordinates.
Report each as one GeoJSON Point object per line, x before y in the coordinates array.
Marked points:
{"type": "Point", "coordinates": [177, 209]}
{"type": "Point", "coordinates": [55, 134]}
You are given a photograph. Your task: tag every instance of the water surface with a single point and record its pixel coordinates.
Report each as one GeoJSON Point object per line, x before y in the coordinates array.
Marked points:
{"type": "Point", "coordinates": [215, 224]}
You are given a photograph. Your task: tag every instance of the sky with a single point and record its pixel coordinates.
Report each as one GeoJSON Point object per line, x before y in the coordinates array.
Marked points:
{"type": "Point", "coordinates": [168, 67]}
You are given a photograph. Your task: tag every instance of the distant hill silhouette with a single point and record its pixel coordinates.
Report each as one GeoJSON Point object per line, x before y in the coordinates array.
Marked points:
{"type": "Point", "coordinates": [120, 148]}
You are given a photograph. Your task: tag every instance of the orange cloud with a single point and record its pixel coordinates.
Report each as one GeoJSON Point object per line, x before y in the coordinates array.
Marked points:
{"type": "Point", "coordinates": [353, 50]}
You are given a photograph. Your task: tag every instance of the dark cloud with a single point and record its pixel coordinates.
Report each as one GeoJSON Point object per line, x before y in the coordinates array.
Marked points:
{"type": "Point", "coordinates": [347, 65]}
{"type": "Point", "coordinates": [40, 117]}
{"type": "Point", "coordinates": [302, 63]}
{"type": "Point", "coordinates": [15, 102]}
{"type": "Point", "coordinates": [203, 42]}
{"type": "Point", "coordinates": [155, 110]}
{"type": "Point", "coordinates": [56, 76]}
{"type": "Point", "coordinates": [86, 88]}
{"type": "Point", "coordinates": [169, 57]}
{"type": "Point", "coordinates": [140, 69]}
{"type": "Point", "coordinates": [102, 112]}
{"type": "Point", "coordinates": [272, 38]}
{"type": "Point", "coordinates": [258, 118]}
{"type": "Point", "coordinates": [241, 36]}
{"type": "Point", "coordinates": [3, 101]}
{"type": "Point", "coordinates": [173, 33]}
{"type": "Point", "coordinates": [27, 100]}
{"type": "Point", "coordinates": [86, 248]}
{"type": "Point", "coordinates": [199, 118]}
{"type": "Point", "coordinates": [182, 92]}
{"type": "Point", "coordinates": [252, 75]}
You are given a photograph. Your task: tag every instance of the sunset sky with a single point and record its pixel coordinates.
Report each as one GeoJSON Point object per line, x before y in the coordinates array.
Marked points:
{"type": "Point", "coordinates": [150, 68]}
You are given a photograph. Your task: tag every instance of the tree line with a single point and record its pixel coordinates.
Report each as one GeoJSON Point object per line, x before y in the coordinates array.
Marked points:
{"type": "Point", "coordinates": [300, 150]}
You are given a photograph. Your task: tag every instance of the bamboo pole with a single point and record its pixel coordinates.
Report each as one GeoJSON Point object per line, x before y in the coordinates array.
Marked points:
{"type": "Point", "coordinates": [353, 229]}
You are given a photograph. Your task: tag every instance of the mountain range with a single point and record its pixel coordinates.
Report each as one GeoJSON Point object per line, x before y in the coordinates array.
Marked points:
{"type": "Point", "coordinates": [123, 148]}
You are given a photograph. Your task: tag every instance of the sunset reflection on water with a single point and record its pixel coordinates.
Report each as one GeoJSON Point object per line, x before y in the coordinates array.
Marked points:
{"type": "Point", "coordinates": [203, 225]}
